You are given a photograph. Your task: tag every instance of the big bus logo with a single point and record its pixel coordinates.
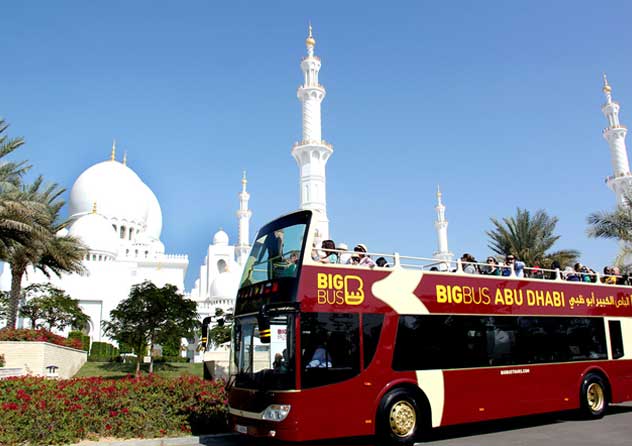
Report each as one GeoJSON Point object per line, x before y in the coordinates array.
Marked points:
{"type": "Point", "coordinates": [340, 289]}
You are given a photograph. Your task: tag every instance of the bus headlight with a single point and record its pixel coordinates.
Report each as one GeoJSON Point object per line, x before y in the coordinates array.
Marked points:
{"type": "Point", "coordinates": [276, 412]}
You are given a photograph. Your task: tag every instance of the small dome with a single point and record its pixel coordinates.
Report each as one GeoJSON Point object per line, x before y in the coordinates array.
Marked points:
{"type": "Point", "coordinates": [225, 285]}
{"type": "Point", "coordinates": [96, 233]}
{"type": "Point", "coordinates": [158, 247]}
{"type": "Point", "coordinates": [220, 238]}
{"type": "Point", "coordinates": [63, 232]}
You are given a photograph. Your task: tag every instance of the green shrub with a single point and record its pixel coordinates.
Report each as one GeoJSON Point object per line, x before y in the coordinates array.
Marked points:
{"type": "Point", "coordinates": [85, 340]}
{"type": "Point", "coordinates": [99, 358]}
{"type": "Point", "coordinates": [2, 360]}
{"type": "Point", "coordinates": [103, 350]}
{"type": "Point", "coordinates": [38, 411]}
{"type": "Point", "coordinates": [171, 359]}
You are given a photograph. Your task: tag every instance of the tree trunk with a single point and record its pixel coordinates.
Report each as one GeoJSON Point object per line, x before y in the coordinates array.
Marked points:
{"type": "Point", "coordinates": [151, 356]}
{"type": "Point", "coordinates": [139, 358]}
{"type": "Point", "coordinates": [17, 272]}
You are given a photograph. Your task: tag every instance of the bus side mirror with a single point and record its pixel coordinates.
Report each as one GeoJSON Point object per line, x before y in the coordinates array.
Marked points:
{"type": "Point", "coordinates": [264, 328]}
{"type": "Point", "coordinates": [205, 323]}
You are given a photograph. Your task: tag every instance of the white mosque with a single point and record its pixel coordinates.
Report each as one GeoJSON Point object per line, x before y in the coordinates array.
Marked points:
{"type": "Point", "coordinates": [118, 218]}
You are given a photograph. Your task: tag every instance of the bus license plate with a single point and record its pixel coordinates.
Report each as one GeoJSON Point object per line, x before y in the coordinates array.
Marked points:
{"type": "Point", "coordinates": [241, 429]}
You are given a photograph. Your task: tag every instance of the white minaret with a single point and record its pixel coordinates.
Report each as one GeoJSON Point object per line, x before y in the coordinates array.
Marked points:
{"type": "Point", "coordinates": [443, 253]}
{"type": "Point", "coordinates": [621, 179]}
{"type": "Point", "coordinates": [243, 214]}
{"type": "Point", "coordinates": [312, 152]}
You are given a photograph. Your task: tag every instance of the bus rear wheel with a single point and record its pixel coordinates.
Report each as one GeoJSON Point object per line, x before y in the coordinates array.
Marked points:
{"type": "Point", "coordinates": [594, 396]}
{"type": "Point", "coordinates": [398, 418]}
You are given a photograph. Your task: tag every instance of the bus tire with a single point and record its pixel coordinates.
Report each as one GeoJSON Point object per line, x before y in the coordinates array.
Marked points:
{"type": "Point", "coordinates": [398, 418]}
{"type": "Point", "coordinates": [593, 396]}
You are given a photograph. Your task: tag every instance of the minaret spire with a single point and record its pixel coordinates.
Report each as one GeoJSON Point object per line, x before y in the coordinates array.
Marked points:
{"type": "Point", "coordinates": [607, 90]}
{"type": "Point", "coordinates": [312, 152]}
{"type": "Point", "coordinates": [243, 216]}
{"type": "Point", "coordinates": [441, 225]}
{"type": "Point", "coordinates": [125, 158]}
{"type": "Point", "coordinates": [113, 154]}
{"type": "Point", "coordinates": [615, 133]}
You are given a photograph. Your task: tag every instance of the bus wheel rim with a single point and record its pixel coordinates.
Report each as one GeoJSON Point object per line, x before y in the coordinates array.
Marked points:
{"type": "Point", "coordinates": [595, 397]}
{"type": "Point", "coordinates": [402, 418]}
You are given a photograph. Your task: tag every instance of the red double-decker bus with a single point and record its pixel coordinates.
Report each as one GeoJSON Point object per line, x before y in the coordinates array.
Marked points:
{"type": "Point", "coordinates": [330, 350]}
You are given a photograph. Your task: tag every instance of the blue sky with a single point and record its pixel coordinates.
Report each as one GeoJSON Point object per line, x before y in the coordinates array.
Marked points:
{"type": "Point", "coordinates": [498, 102]}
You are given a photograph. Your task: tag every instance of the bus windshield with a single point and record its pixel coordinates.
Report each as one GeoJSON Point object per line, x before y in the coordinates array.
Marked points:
{"type": "Point", "coordinates": [257, 365]}
{"type": "Point", "coordinates": [275, 253]}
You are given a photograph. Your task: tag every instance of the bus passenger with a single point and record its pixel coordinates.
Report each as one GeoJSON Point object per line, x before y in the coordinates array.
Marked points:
{"type": "Point", "coordinates": [320, 359]}
{"type": "Point", "coordinates": [512, 264]}
{"type": "Point", "coordinates": [469, 264]}
{"type": "Point", "coordinates": [570, 275]}
{"type": "Point", "coordinates": [288, 268]}
{"type": "Point", "coordinates": [360, 257]}
{"type": "Point", "coordinates": [330, 256]}
{"type": "Point", "coordinates": [382, 263]}
{"type": "Point", "coordinates": [609, 276]}
{"type": "Point", "coordinates": [492, 268]}
{"type": "Point", "coordinates": [344, 256]}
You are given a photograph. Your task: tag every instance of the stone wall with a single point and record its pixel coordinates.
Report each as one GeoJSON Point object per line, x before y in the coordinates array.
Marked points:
{"type": "Point", "coordinates": [34, 358]}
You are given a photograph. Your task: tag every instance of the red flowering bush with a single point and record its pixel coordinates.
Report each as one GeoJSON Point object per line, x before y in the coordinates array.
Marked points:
{"type": "Point", "coordinates": [41, 335]}
{"type": "Point", "coordinates": [40, 411]}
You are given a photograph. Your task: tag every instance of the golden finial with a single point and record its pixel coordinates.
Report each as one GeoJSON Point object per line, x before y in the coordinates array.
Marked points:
{"type": "Point", "coordinates": [439, 192]}
{"type": "Point", "coordinates": [606, 87]}
{"type": "Point", "coordinates": [94, 207]}
{"type": "Point", "coordinates": [243, 178]}
{"type": "Point", "coordinates": [125, 158]}
{"type": "Point", "coordinates": [310, 41]}
{"type": "Point", "coordinates": [113, 155]}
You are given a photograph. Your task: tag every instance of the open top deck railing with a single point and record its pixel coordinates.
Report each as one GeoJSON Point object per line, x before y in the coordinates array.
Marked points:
{"type": "Point", "coordinates": [395, 260]}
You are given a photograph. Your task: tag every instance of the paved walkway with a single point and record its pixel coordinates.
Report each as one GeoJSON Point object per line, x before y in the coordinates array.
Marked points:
{"type": "Point", "coordinates": [211, 440]}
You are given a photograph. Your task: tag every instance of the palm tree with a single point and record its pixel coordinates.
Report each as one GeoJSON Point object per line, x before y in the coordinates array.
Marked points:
{"type": "Point", "coordinates": [529, 237]}
{"type": "Point", "coordinates": [15, 212]}
{"type": "Point", "coordinates": [614, 225]}
{"type": "Point", "coordinates": [44, 250]}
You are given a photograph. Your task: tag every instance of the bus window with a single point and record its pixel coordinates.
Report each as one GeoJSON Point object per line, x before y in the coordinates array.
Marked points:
{"type": "Point", "coordinates": [371, 329]}
{"type": "Point", "coordinates": [259, 365]}
{"type": "Point", "coordinates": [452, 342]}
{"type": "Point", "coordinates": [330, 348]}
{"type": "Point", "coordinates": [274, 254]}
{"type": "Point", "coordinates": [616, 340]}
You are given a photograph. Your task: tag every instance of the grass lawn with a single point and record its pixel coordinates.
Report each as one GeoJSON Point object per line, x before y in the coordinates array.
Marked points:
{"type": "Point", "coordinates": [119, 370]}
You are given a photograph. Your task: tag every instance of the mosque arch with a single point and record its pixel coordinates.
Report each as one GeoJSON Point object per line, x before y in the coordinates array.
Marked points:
{"type": "Point", "coordinates": [222, 266]}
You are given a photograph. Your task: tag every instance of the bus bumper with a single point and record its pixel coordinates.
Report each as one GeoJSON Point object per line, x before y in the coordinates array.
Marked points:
{"type": "Point", "coordinates": [265, 429]}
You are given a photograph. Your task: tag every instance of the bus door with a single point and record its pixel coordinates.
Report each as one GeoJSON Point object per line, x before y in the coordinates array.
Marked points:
{"type": "Point", "coordinates": [330, 365]}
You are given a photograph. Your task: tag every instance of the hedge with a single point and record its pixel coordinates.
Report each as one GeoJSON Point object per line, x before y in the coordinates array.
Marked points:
{"type": "Point", "coordinates": [41, 335]}
{"type": "Point", "coordinates": [102, 352]}
{"type": "Point", "coordinates": [39, 411]}
{"type": "Point", "coordinates": [85, 339]}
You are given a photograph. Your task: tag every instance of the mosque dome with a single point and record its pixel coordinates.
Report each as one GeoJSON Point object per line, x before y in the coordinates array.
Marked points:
{"type": "Point", "coordinates": [224, 286]}
{"type": "Point", "coordinates": [220, 238]}
{"type": "Point", "coordinates": [63, 232]}
{"type": "Point", "coordinates": [96, 233]}
{"type": "Point", "coordinates": [117, 190]}
{"type": "Point", "coordinates": [154, 214]}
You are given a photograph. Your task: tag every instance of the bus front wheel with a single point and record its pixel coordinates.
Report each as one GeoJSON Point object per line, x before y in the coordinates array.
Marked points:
{"type": "Point", "coordinates": [398, 418]}
{"type": "Point", "coordinates": [594, 396]}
